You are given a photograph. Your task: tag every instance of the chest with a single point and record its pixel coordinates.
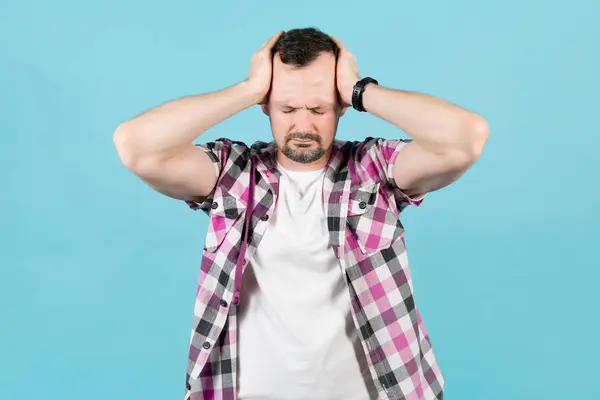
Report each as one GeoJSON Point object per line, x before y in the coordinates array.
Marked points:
{"type": "Point", "coordinates": [360, 219]}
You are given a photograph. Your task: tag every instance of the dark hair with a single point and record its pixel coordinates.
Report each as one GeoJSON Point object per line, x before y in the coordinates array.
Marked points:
{"type": "Point", "coordinates": [299, 47]}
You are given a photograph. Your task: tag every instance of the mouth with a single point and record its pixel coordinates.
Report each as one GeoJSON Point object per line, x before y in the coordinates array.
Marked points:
{"type": "Point", "coordinates": [303, 140]}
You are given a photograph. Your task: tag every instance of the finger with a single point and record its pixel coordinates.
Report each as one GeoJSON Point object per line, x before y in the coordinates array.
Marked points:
{"type": "Point", "coordinates": [338, 42]}
{"type": "Point", "coordinates": [262, 46]}
{"type": "Point", "coordinates": [270, 42]}
{"type": "Point", "coordinates": [266, 42]}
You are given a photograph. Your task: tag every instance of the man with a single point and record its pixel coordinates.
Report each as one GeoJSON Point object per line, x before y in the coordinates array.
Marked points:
{"type": "Point", "coordinates": [327, 309]}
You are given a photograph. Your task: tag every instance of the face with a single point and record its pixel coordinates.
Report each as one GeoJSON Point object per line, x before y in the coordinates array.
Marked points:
{"type": "Point", "coordinates": [304, 110]}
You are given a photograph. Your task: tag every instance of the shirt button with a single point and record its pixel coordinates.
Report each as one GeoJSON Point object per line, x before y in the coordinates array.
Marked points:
{"type": "Point", "coordinates": [214, 205]}
{"type": "Point", "coordinates": [206, 345]}
{"type": "Point", "coordinates": [264, 217]}
{"type": "Point", "coordinates": [223, 303]}
{"type": "Point", "coordinates": [362, 205]}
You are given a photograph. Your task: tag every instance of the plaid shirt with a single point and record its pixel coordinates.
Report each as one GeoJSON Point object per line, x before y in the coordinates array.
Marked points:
{"type": "Point", "coordinates": [363, 208]}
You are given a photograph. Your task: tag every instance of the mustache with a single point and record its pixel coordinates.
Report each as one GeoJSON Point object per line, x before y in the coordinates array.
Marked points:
{"type": "Point", "coordinates": [305, 136]}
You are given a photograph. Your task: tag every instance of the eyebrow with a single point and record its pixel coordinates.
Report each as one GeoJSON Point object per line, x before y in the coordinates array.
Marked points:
{"type": "Point", "coordinates": [321, 105]}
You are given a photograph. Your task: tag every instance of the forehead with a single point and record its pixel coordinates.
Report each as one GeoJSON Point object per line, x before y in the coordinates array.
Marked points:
{"type": "Point", "coordinates": [312, 83]}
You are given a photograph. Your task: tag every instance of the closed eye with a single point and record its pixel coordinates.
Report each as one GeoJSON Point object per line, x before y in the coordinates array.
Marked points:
{"type": "Point", "coordinates": [314, 111]}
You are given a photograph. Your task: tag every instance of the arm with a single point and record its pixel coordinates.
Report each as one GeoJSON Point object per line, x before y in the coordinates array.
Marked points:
{"type": "Point", "coordinates": [447, 138]}
{"type": "Point", "coordinates": [157, 145]}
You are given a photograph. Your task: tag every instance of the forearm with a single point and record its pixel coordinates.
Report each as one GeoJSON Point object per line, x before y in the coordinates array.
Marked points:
{"type": "Point", "coordinates": [165, 129]}
{"type": "Point", "coordinates": [437, 125]}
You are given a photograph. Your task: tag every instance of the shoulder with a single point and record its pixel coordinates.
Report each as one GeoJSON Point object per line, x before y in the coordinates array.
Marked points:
{"type": "Point", "coordinates": [369, 160]}
{"type": "Point", "coordinates": [227, 149]}
{"type": "Point", "coordinates": [369, 145]}
{"type": "Point", "coordinates": [377, 145]}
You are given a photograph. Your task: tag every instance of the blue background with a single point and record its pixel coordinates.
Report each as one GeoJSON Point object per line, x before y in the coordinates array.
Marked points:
{"type": "Point", "coordinates": [98, 272]}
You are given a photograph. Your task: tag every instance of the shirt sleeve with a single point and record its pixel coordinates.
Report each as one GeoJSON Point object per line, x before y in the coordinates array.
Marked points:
{"type": "Point", "coordinates": [218, 152]}
{"type": "Point", "coordinates": [375, 158]}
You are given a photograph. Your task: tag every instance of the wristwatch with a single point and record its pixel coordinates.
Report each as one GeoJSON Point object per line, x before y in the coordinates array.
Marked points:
{"type": "Point", "coordinates": [357, 93]}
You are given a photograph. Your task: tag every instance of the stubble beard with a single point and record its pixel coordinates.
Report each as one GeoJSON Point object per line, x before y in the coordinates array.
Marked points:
{"type": "Point", "coordinates": [303, 152]}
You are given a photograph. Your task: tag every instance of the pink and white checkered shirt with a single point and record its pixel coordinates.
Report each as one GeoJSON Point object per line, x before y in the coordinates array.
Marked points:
{"type": "Point", "coordinates": [363, 205]}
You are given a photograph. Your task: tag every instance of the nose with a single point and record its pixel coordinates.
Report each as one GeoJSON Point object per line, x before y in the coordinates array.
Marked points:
{"type": "Point", "coordinates": [304, 122]}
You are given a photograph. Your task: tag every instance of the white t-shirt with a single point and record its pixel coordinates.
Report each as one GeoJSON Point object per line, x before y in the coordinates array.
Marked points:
{"type": "Point", "coordinates": [296, 337]}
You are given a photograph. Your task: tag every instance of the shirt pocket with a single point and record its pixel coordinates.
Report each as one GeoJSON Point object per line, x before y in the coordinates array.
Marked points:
{"type": "Point", "coordinates": [372, 218]}
{"type": "Point", "coordinates": [226, 210]}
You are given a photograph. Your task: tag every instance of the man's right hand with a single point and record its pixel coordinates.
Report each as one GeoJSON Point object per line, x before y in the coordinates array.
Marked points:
{"type": "Point", "coordinates": [261, 68]}
{"type": "Point", "coordinates": [157, 145]}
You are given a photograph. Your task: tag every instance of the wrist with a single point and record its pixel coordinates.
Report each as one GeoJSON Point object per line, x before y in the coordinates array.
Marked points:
{"type": "Point", "coordinates": [367, 96]}
{"type": "Point", "coordinates": [348, 91]}
{"type": "Point", "coordinates": [363, 88]}
{"type": "Point", "coordinates": [254, 94]}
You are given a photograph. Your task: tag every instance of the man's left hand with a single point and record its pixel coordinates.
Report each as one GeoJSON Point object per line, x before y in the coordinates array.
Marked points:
{"type": "Point", "coordinates": [346, 73]}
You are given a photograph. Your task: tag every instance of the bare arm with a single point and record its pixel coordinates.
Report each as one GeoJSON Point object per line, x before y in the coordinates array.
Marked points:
{"type": "Point", "coordinates": [157, 145]}
{"type": "Point", "coordinates": [447, 138]}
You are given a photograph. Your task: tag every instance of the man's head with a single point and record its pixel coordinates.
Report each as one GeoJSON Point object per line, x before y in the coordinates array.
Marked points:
{"type": "Point", "coordinates": [303, 101]}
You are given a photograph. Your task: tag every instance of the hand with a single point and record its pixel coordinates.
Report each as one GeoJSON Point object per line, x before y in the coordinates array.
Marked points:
{"type": "Point", "coordinates": [261, 69]}
{"type": "Point", "coordinates": [346, 73]}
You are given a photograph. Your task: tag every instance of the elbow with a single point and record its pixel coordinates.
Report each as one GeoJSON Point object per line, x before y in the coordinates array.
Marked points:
{"type": "Point", "coordinates": [123, 142]}
{"type": "Point", "coordinates": [476, 133]}
{"type": "Point", "coordinates": [135, 155]}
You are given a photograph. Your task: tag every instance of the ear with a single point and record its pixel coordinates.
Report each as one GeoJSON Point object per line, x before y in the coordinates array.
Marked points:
{"type": "Point", "coordinates": [265, 109]}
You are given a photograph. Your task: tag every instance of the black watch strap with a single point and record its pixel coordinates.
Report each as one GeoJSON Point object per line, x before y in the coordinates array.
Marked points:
{"type": "Point", "coordinates": [357, 93]}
